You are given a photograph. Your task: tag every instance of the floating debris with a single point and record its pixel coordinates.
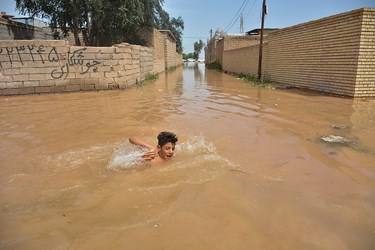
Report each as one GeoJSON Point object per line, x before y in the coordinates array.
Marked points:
{"type": "Point", "coordinates": [339, 126]}
{"type": "Point", "coordinates": [335, 139]}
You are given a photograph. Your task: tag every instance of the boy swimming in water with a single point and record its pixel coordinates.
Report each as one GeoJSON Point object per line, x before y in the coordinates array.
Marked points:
{"type": "Point", "coordinates": [163, 151]}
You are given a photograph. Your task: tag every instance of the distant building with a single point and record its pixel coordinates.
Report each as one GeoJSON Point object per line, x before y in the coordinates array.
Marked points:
{"type": "Point", "coordinates": [24, 28]}
{"type": "Point", "coordinates": [30, 21]}
{"type": "Point", "coordinates": [224, 42]}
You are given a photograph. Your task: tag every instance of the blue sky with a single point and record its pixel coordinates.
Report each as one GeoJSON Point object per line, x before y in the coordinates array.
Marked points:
{"type": "Point", "coordinates": [202, 15]}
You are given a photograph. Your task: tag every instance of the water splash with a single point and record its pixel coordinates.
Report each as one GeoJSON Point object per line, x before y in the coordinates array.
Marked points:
{"type": "Point", "coordinates": [127, 156]}
{"type": "Point", "coordinates": [76, 158]}
{"type": "Point", "coordinates": [197, 144]}
{"type": "Point", "coordinates": [197, 162]}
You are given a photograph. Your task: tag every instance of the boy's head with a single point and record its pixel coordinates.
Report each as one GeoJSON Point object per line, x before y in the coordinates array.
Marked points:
{"type": "Point", "coordinates": [166, 145]}
{"type": "Point", "coordinates": [165, 137]}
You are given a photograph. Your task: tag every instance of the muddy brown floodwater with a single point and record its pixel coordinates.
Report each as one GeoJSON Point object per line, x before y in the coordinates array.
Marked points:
{"type": "Point", "coordinates": [250, 171]}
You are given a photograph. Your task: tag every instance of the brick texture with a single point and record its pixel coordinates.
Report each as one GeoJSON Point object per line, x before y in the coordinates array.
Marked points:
{"type": "Point", "coordinates": [50, 66]}
{"type": "Point", "coordinates": [335, 55]}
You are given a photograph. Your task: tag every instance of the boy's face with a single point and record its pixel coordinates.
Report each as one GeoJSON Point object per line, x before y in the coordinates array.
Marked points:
{"type": "Point", "coordinates": [166, 151]}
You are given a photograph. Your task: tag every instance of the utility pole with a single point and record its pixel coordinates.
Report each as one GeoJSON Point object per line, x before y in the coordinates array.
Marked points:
{"type": "Point", "coordinates": [209, 47]}
{"type": "Point", "coordinates": [261, 41]}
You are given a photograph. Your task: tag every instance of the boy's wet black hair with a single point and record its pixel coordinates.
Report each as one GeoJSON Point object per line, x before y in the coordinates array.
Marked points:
{"type": "Point", "coordinates": [165, 137]}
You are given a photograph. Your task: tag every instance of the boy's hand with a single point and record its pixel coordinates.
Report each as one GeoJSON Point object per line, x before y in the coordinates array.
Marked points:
{"type": "Point", "coordinates": [150, 155]}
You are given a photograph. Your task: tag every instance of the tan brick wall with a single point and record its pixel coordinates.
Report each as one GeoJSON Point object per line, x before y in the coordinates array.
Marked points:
{"type": "Point", "coordinates": [232, 43]}
{"type": "Point", "coordinates": [365, 82]}
{"type": "Point", "coordinates": [158, 44]}
{"type": "Point", "coordinates": [155, 39]}
{"type": "Point", "coordinates": [172, 58]}
{"type": "Point", "coordinates": [219, 51]}
{"type": "Point", "coordinates": [241, 60]}
{"type": "Point", "coordinates": [334, 55]}
{"type": "Point", "coordinates": [170, 50]}
{"type": "Point", "coordinates": [159, 51]}
{"type": "Point", "coordinates": [178, 59]}
{"type": "Point", "coordinates": [320, 55]}
{"type": "Point", "coordinates": [49, 66]}
{"type": "Point", "coordinates": [210, 51]}
{"type": "Point", "coordinates": [236, 42]}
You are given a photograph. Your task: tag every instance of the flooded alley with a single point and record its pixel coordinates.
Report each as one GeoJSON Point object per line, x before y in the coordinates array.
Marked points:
{"type": "Point", "coordinates": [250, 169]}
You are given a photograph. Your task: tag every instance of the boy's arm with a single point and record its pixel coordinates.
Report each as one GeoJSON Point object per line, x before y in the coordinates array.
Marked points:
{"type": "Point", "coordinates": [137, 141]}
{"type": "Point", "coordinates": [148, 156]}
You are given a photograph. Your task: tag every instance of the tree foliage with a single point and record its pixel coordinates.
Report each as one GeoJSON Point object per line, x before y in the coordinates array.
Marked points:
{"type": "Point", "coordinates": [176, 26]}
{"type": "Point", "coordinates": [198, 46]}
{"type": "Point", "coordinates": [103, 22]}
{"type": "Point", "coordinates": [187, 56]}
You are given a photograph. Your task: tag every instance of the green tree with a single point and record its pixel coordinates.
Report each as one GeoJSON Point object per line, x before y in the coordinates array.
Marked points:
{"type": "Point", "coordinates": [115, 21]}
{"type": "Point", "coordinates": [175, 25]}
{"type": "Point", "coordinates": [103, 22]}
{"type": "Point", "coordinates": [198, 46]}
{"type": "Point", "coordinates": [67, 15]}
{"type": "Point", "coordinates": [187, 56]}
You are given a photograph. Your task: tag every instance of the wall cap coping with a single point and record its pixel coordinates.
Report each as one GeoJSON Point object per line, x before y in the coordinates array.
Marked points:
{"type": "Point", "coordinates": [348, 13]}
{"type": "Point", "coordinates": [168, 32]}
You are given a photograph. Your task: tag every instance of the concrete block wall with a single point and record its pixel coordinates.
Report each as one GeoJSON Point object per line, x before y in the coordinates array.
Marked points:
{"type": "Point", "coordinates": [146, 61]}
{"type": "Point", "coordinates": [333, 55]}
{"type": "Point", "coordinates": [51, 66]}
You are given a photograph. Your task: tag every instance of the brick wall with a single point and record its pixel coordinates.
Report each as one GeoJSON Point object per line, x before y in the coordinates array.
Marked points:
{"type": "Point", "coordinates": [169, 51]}
{"type": "Point", "coordinates": [172, 58]}
{"type": "Point", "coordinates": [51, 66]}
{"type": "Point", "coordinates": [241, 60]}
{"type": "Point", "coordinates": [320, 55]}
{"type": "Point", "coordinates": [232, 43]}
{"type": "Point", "coordinates": [210, 51]}
{"type": "Point", "coordinates": [159, 53]}
{"type": "Point", "coordinates": [333, 55]}
{"type": "Point", "coordinates": [365, 82]}
{"type": "Point", "coordinates": [236, 42]}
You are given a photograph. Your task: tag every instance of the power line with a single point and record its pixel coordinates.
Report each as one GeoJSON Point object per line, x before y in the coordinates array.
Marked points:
{"type": "Point", "coordinates": [236, 16]}
{"type": "Point", "coordinates": [241, 24]}
{"type": "Point", "coordinates": [195, 37]}
{"type": "Point", "coordinates": [251, 8]}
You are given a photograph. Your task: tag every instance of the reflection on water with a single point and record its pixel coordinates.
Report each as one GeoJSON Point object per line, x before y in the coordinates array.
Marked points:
{"type": "Point", "coordinates": [250, 170]}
